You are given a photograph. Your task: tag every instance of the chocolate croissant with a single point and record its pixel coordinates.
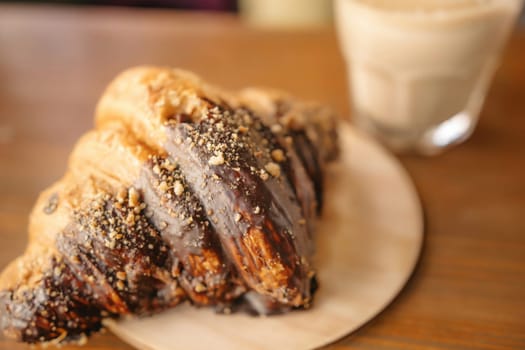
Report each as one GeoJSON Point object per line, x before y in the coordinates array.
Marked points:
{"type": "Point", "coordinates": [182, 192]}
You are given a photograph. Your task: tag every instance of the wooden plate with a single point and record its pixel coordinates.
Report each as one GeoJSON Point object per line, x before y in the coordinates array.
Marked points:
{"type": "Point", "coordinates": [369, 241]}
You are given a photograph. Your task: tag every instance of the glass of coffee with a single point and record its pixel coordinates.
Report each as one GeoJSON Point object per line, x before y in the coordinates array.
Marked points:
{"type": "Point", "coordinates": [419, 70]}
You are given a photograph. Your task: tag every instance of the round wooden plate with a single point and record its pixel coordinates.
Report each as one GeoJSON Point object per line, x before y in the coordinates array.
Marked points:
{"type": "Point", "coordinates": [369, 241]}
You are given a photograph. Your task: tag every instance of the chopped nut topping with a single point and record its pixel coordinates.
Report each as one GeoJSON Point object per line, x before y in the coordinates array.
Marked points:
{"type": "Point", "coordinates": [57, 271]}
{"type": "Point", "coordinates": [199, 287]}
{"type": "Point", "coordinates": [273, 169]}
{"type": "Point", "coordinates": [178, 188]}
{"type": "Point", "coordinates": [237, 217]}
{"type": "Point", "coordinates": [163, 186]}
{"type": "Point", "coordinates": [120, 285]}
{"type": "Point", "coordinates": [133, 197]}
{"type": "Point", "coordinates": [121, 195]}
{"type": "Point", "coordinates": [130, 219]}
{"type": "Point", "coordinates": [121, 275]}
{"type": "Point", "coordinates": [264, 175]}
{"type": "Point", "coordinates": [276, 128]}
{"type": "Point", "coordinates": [278, 155]}
{"type": "Point", "coordinates": [168, 165]}
{"type": "Point", "coordinates": [217, 159]}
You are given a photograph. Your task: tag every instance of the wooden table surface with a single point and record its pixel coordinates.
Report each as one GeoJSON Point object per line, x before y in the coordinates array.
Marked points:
{"type": "Point", "coordinates": [468, 290]}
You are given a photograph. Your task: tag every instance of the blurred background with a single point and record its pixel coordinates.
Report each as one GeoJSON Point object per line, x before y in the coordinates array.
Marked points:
{"type": "Point", "coordinates": [260, 12]}
{"type": "Point", "coordinates": [270, 13]}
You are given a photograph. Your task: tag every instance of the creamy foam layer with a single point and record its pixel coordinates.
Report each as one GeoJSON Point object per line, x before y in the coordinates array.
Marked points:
{"type": "Point", "coordinates": [429, 12]}
{"type": "Point", "coordinates": [426, 5]}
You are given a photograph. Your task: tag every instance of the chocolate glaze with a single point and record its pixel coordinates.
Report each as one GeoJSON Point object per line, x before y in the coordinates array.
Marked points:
{"type": "Point", "coordinates": [59, 304]}
{"type": "Point", "coordinates": [224, 219]}
{"type": "Point", "coordinates": [203, 270]}
{"type": "Point", "coordinates": [113, 263]}
{"type": "Point", "coordinates": [256, 214]}
{"type": "Point", "coordinates": [309, 156]}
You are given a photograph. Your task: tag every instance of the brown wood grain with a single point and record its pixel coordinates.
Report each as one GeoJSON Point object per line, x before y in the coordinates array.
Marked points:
{"type": "Point", "coordinates": [468, 290]}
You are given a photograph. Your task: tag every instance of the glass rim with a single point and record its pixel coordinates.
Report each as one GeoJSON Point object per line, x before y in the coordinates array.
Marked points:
{"type": "Point", "coordinates": [438, 13]}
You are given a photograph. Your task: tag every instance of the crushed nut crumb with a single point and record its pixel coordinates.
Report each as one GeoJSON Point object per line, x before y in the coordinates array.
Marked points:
{"type": "Point", "coordinates": [276, 128]}
{"type": "Point", "coordinates": [264, 175]}
{"type": "Point", "coordinates": [178, 188]}
{"type": "Point", "coordinates": [273, 169]}
{"type": "Point", "coordinates": [217, 159]}
{"type": "Point", "coordinates": [121, 195]}
{"type": "Point", "coordinates": [237, 217]}
{"type": "Point", "coordinates": [278, 155]}
{"type": "Point", "coordinates": [199, 287]}
{"type": "Point", "coordinates": [163, 186]}
{"type": "Point", "coordinates": [133, 197]}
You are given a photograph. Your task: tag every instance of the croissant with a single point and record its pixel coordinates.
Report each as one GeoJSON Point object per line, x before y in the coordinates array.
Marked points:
{"type": "Point", "coordinates": [182, 192]}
